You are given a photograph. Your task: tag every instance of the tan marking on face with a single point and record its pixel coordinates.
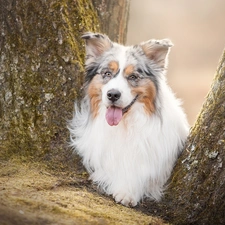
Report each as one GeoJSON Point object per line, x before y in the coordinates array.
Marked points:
{"type": "Point", "coordinates": [129, 70]}
{"type": "Point", "coordinates": [113, 66]}
{"type": "Point", "coordinates": [94, 92]}
{"type": "Point", "coordinates": [146, 92]}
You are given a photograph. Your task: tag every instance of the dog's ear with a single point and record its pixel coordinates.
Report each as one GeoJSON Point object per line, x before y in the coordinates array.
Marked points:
{"type": "Point", "coordinates": [96, 44]}
{"type": "Point", "coordinates": [157, 51]}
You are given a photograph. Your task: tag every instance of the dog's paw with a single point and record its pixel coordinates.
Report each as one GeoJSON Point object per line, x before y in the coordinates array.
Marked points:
{"type": "Point", "coordinates": [125, 199]}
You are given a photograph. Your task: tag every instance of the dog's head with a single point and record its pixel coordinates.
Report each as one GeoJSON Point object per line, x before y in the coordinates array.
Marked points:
{"type": "Point", "coordinates": [118, 76]}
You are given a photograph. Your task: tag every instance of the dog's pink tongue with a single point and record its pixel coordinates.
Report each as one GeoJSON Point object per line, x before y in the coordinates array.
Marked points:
{"type": "Point", "coordinates": [114, 115]}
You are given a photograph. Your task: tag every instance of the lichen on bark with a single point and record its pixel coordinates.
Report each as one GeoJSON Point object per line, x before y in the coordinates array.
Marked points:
{"type": "Point", "coordinates": [41, 71]}
{"type": "Point", "coordinates": [202, 163]}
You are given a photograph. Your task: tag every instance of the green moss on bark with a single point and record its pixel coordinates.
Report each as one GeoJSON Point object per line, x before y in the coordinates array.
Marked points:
{"type": "Point", "coordinates": [41, 72]}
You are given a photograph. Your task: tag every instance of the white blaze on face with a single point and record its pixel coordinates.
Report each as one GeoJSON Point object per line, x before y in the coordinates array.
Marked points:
{"type": "Point", "coordinates": [114, 112]}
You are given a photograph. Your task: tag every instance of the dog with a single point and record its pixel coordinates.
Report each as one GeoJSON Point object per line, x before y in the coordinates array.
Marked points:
{"type": "Point", "coordinates": [129, 128]}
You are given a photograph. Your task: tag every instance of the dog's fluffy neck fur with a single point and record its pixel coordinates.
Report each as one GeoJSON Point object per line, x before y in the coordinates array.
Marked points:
{"type": "Point", "coordinates": [135, 158]}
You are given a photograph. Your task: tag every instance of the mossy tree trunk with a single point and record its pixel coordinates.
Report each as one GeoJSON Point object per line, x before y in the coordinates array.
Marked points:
{"type": "Point", "coordinates": [41, 70]}
{"type": "Point", "coordinates": [196, 191]}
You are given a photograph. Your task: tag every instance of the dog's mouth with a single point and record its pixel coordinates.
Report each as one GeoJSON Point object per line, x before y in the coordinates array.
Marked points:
{"type": "Point", "coordinates": [114, 114]}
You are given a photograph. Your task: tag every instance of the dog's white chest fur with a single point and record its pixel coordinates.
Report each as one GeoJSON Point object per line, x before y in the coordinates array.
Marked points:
{"type": "Point", "coordinates": [135, 158]}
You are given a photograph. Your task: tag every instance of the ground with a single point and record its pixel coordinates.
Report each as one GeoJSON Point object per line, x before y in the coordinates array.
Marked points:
{"type": "Point", "coordinates": [34, 193]}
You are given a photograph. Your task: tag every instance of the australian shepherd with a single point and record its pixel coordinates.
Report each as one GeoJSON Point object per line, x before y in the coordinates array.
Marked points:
{"type": "Point", "coordinates": [129, 128]}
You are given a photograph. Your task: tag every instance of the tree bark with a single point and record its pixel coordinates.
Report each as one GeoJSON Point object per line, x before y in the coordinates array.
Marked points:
{"type": "Point", "coordinates": [41, 69]}
{"type": "Point", "coordinates": [113, 18]}
{"type": "Point", "coordinates": [196, 190]}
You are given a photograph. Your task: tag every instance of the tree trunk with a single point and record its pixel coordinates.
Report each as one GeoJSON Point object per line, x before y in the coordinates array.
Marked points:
{"type": "Point", "coordinates": [196, 191]}
{"type": "Point", "coordinates": [41, 69]}
{"type": "Point", "coordinates": [113, 18]}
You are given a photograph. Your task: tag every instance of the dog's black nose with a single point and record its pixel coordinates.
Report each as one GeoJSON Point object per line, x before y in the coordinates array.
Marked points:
{"type": "Point", "coordinates": [113, 95]}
